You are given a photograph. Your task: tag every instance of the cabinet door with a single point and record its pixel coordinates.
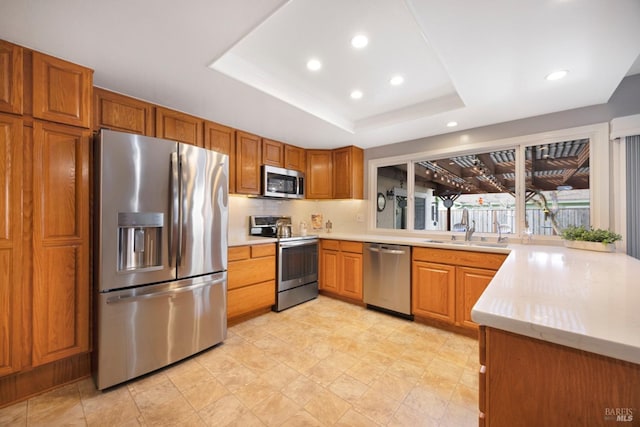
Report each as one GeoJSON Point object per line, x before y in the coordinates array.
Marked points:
{"type": "Point", "coordinates": [10, 243]}
{"type": "Point", "coordinates": [471, 283]}
{"type": "Point", "coordinates": [348, 173]}
{"type": "Point", "coordinates": [119, 112]}
{"type": "Point", "coordinates": [247, 163]}
{"type": "Point", "coordinates": [60, 242]}
{"type": "Point", "coordinates": [61, 91]}
{"type": "Point", "coordinates": [329, 270]}
{"type": "Point", "coordinates": [11, 78]}
{"type": "Point", "coordinates": [249, 299]}
{"type": "Point", "coordinates": [433, 288]}
{"type": "Point", "coordinates": [180, 127]}
{"type": "Point", "coordinates": [272, 153]}
{"type": "Point", "coordinates": [222, 139]}
{"type": "Point", "coordinates": [319, 175]}
{"type": "Point", "coordinates": [294, 158]}
{"type": "Point", "coordinates": [351, 275]}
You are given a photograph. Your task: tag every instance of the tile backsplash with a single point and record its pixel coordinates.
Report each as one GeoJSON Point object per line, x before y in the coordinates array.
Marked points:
{"type": "Point", "coordinates": [345, 215]}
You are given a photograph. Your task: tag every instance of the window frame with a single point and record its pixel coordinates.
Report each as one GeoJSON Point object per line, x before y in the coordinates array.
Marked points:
{"type": "Point", "coordinates": [599, 175]}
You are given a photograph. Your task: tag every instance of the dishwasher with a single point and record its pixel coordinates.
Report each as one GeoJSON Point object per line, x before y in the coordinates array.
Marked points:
{"type": "Point", "coordinates": [387, 278]}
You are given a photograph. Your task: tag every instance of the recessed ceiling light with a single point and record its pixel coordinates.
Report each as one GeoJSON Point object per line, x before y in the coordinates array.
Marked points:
{"type": "Point", "coordinates": [556, 75]}
{"type": "Point", "coordinates": [452, 124]}
{"type": "Point", "coordinates": [356, 94]}
{"type": "Point", "coordinates": [359, 41]}
{"type": "Point", "coordinates": [396, 80]}
{"type": "Point", "coordinates": [314, 64]}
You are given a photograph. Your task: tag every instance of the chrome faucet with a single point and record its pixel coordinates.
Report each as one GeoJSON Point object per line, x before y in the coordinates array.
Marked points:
{"type": "Point", "coordinates": [469, 231]}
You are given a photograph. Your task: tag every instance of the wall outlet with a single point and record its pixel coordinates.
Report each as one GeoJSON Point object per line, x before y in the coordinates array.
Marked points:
{"type": "Point", "coordinates": [359, 217]}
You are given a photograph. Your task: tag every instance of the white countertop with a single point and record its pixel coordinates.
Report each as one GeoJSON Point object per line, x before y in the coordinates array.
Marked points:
{"type": "Point", "coordinates": [580, 299]}
{"type": "Point", "coordinates": [250, 240]}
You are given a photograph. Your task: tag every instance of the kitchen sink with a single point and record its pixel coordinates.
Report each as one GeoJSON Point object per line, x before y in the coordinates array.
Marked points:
{"type": "Point", "coordinates": [468, 243]}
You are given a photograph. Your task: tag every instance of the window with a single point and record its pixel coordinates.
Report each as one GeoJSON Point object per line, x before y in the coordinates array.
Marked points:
{"type": "Point", "coordinates": [530, 185]}
{"type": "Point", "coordinates": [470, 189]}
{"type": "Point", "coordinates": [392, 184]}
{"type": "Point", "coordinates": [557, 186]}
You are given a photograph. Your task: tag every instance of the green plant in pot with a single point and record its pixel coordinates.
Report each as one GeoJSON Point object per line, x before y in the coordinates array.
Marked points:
{"type": "Point", "coordinates": [583, 234]}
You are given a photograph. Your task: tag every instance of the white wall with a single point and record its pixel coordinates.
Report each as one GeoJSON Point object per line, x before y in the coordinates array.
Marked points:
{"type": "Point", "coordinates": [342, 213]}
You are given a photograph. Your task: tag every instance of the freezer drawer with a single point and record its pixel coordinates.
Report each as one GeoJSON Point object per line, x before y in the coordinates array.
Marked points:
{"type": "Point", "coordinates": [146, 328]}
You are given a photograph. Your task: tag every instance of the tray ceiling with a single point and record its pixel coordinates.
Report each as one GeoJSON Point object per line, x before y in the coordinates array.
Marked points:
{"type": "Point", "coordinates": [475, 63]}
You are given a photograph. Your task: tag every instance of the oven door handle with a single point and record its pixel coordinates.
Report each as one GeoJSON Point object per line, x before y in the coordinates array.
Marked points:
{"type": "Point", "coordinates": [305, 242]}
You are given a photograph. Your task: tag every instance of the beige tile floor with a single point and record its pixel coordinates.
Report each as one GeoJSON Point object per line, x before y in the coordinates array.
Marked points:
{"type": "Point", "coordinates": [325, 362]}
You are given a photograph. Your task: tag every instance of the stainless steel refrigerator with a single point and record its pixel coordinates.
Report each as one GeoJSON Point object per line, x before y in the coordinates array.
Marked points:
{"type": "Point", "coordinates": [161, 217]}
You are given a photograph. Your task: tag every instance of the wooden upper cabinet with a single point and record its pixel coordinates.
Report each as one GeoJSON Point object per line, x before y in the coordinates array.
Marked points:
{"type": "Point", "coordinates": [272, 153]}
{"type": "Point", "coordinates": [119, 112]}
{"type": "Point", "coordinates": [295, 158]}
{"type": "Point", "coordinates": [222, 139]}
{"type": "Point", "coordinates": [10, 243]}
{"type": "Point", "coordinates": [61, 291]}
{"type": "Point", "coordinates": [319, 174]}
{"type": "Point", "coordinates": [11, 78]}
{"type": "Point", "coordinates": [248, 148]}
{"type": "Point", "coordinates": [61, 91]}
{"type": "Point", "coordinates": [180, 127]}
{"type": "Point", "coordinates": [348, 173]}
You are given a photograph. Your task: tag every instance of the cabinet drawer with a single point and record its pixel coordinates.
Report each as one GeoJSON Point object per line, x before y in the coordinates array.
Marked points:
{"type": "Point", "coordinates": [332, 245]}
{"type": "Point", "coordinates": [249, 271]}
{"type": "Point", "coordinates": [462, 258]}
{"type": "Point", "coordinates": [347, 246]}
{"type": "Point", "coordinates": [250, 298]}
{"type": "Point", "coordinates": [239, 252]}
{"type": "Point", "coordinates": [258, 251]}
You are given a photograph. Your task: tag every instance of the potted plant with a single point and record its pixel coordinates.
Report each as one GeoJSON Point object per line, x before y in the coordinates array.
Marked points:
{"type": "Point", "coordinates": [590, 238]}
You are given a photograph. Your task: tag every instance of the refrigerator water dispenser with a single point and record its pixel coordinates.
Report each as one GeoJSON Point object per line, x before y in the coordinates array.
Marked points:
{"type": "Point", "coordinates": [139, 240]}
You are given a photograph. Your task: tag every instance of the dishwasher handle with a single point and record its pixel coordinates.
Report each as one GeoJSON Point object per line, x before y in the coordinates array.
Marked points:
{"type": "Point", "coordinates": [385, 250]}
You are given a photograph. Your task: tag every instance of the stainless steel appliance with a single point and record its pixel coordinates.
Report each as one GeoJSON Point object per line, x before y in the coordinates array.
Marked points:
{"type": "Point", "coordinates": [161, 253]}
{"type": "Point", "coordinates": [283, 183]}
{"type": "Point", "coordinates": [387, 278]}
{"type": "Point", "coordinates": [297, 260]}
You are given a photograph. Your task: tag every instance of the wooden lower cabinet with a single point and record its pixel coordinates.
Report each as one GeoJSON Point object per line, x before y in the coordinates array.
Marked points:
{"type": "Point", "coordinates": [529, 382]}
{"type": "Point", "coordinates": [470, 284]}
{"type": "Point", "coordinates": [434, 290]}
{"type": "Point", "coordinates": [341, 268]}
{"type": "Point", "coordinates": [446, 284]}
{"type": "Point", "coordinates": [251, 280]}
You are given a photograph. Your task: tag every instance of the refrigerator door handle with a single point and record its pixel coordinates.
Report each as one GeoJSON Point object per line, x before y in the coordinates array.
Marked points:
{"type": "Point", "coordinates": [182, 225]}
{"type": "Point", "coordinates": [165, 293]}
{"type": "Point", "coordinates": [174, 232]}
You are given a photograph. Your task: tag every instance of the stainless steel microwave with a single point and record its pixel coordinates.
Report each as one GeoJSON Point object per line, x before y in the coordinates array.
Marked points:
{"type": "Point", "coordinates": [284, 183]}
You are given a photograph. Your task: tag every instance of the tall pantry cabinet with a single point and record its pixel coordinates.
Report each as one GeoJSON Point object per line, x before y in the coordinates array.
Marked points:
{"type": "Point", "coordinates": [45, 106]}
